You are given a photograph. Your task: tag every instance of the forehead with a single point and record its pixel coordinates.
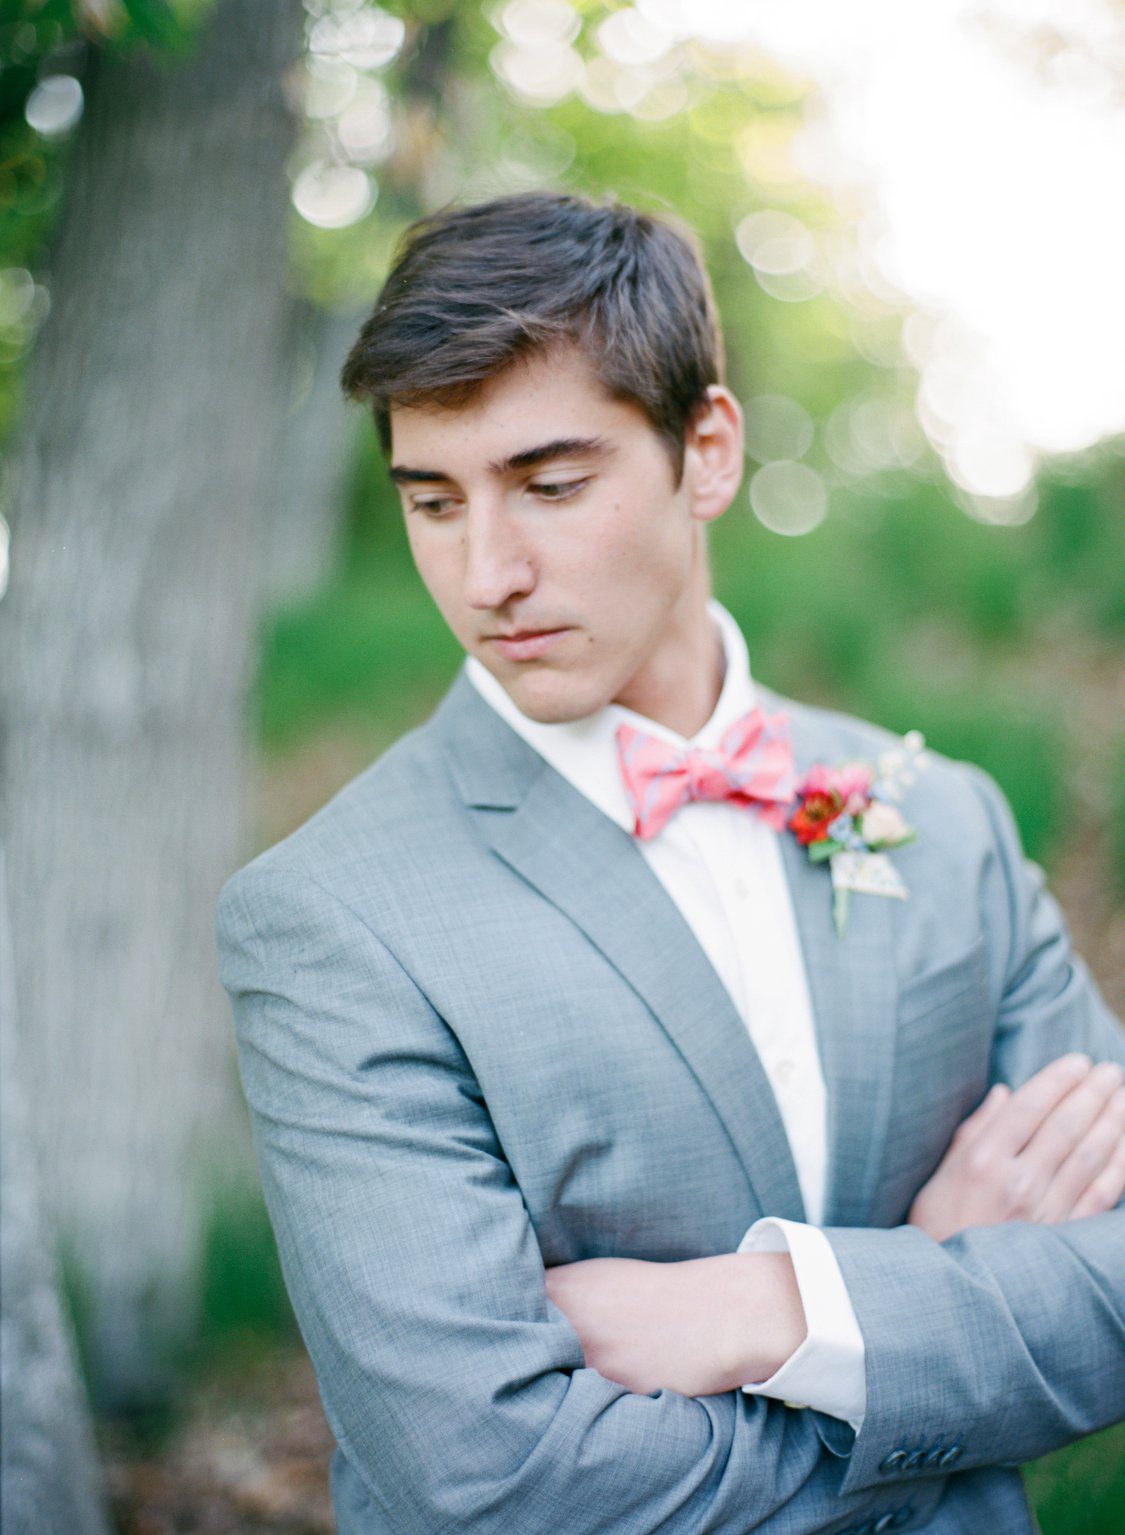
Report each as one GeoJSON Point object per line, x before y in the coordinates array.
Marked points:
{"type": "Point", "coordinates": [543, 397]}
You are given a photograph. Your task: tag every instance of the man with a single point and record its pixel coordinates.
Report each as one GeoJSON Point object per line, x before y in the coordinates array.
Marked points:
{"type": "Point", "coordinates": [615, 1189]}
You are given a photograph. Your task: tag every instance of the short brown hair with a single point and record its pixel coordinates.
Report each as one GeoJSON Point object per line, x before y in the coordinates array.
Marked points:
{"type": "Point", "coordinates": [474, 289]}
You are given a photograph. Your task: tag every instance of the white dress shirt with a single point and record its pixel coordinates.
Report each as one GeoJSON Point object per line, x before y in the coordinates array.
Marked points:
{"type": "Point", "coordinates": [721, 864]}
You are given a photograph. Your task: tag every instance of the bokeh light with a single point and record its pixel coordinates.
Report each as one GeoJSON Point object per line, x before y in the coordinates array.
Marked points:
{"type": "Point", "coordinates": [349, 121]}
{"type": "Point", "coordinates": [629, 38]}
{"type": "Point", "coordinates": [539, 74]}
{"type": "Point", "coordinates": [539, 24]}
{"type": "Point", "coordinates": [788, 498]}
{"type": "Point", "coordinates": [333, 196]}
{"type": "Point", "coordinates": [946, 174]}
{"type": "Point", "coordinates": [870, 433]}
{"type": "Point", "coordinates": [330, 85]}
{"type": "Point", "coordinates": [365, 127]}
{"type": "Point", "coordinates": [24, 305]}
{"type": "Point", "coordinates": [782, 251]}
{"type": "Point", "coordinates": [365, 37]}
{"type": "Point", "coordinates": [983, 141]}
{"type": "Point", "coordinates": [54, 106]}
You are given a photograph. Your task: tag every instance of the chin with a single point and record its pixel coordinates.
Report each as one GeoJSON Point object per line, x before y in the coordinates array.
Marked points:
{"type": "Point", "coordinates": [556, 699]}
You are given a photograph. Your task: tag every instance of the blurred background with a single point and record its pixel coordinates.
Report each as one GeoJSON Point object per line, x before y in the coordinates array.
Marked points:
{"type": "Point", "coordinates": [913, 220]}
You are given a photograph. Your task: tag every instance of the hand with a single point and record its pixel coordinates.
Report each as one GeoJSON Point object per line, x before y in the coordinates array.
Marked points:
{"type": "Point", "coordinates": [698, 1327]}
{"type": "Point", "coordinates": [1052, 1150]}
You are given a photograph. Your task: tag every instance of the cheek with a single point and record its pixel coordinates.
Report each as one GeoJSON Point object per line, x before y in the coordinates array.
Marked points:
{"type": "Point", "coordinates": [437, 566]}
{"type": "Point", "coordinates": [646, 561]}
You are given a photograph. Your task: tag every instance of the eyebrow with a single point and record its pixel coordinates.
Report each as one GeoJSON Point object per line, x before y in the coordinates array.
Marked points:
{"type": "Point", "coordinates": [526, 458]}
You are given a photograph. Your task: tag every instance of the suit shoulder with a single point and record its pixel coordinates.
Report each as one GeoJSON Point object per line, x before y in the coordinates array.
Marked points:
{"type": "Point", "coordinates": [389, 815]}
{"type": "Point", "coordinates": [944, 785]}
{"type": "Point", "coordinates": [846, 735]}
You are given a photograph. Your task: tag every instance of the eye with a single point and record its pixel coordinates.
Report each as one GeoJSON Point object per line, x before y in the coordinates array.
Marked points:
{"type": "Point", "coordinates": [558, 490]}
{"type": "Point", "coordinates": [432, 506]}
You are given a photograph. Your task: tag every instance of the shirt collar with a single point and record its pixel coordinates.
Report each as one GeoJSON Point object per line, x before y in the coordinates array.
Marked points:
{"type": "Point", "coordinates": [584, 751]}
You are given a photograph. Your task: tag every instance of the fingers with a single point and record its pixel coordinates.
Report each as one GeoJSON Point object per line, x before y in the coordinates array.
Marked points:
{"type": "Point", "coordinates": [982, 1116]}
{"type": "Point", "coordinates": [1088, 1159]}
{"type": "Point", "coordinates": [1107, 1187]}
{"type": "Point", "coordinates": [1063, 1135]}
{"type": "Point", "coordinates": [1024, 1112]}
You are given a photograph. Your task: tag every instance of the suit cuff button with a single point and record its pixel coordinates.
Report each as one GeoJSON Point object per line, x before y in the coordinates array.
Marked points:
{"type": "Point", "coordinates": [915, 1459]}
{"type": "Point", "coordinates": [894, 1461]}
{"type": "Point", "coordinates": [950, 1456]}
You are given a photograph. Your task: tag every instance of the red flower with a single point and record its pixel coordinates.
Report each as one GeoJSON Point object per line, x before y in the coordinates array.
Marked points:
{"type": "Point", "coordinates": [814, 814]}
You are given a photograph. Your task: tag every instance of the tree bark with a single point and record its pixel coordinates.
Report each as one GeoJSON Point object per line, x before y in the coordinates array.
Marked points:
{"type": "Point", "coordinates": [48, 1478]}
{"type": "Point", "coordinates": [317, 458]}
{"type": "Point", "coordinates": [146, 473]}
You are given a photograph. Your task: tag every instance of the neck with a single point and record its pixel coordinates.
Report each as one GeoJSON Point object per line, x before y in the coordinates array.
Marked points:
{"type": "Point", "coordinates": [680, 687]}
{"type": "Point", "coordinates": [690, 700]}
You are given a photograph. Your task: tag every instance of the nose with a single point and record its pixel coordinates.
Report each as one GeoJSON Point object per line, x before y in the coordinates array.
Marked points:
{"type": "Point", "coordinates": [497, 565]}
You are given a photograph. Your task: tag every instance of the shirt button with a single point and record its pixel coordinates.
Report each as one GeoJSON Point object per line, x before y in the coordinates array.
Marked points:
{"type": "Point", "coordinates": [784, 1071]}
{"type": "Point", "coordinates": [741, 888]}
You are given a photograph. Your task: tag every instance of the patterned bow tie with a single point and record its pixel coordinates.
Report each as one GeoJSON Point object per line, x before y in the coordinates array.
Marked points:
{"type": "Point", "coordinates": [753, 766]}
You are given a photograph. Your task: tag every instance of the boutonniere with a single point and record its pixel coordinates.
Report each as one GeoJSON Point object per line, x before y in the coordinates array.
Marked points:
{"type": "Point", "coordinates": [848, 817]}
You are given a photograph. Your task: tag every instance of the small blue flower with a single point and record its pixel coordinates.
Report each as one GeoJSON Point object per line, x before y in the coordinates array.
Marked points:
{"type": "Point", "coordinates": [842, 829]}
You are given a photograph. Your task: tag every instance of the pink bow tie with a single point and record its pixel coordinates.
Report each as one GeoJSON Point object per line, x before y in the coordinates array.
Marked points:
{"type": "Point", "coordinates": [753, 766]}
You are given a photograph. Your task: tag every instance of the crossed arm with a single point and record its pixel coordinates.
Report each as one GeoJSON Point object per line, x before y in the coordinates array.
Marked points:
{"type": "Point", "coordinates": [1051, 1151]}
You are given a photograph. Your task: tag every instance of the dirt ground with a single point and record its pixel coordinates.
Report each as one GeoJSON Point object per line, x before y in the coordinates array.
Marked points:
{"type": "Point", "coordinates": [249, 1456]}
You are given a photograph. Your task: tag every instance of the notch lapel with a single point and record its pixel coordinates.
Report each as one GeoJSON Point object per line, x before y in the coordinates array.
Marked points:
{"type": "Point", "coordinates": [591, 870]}
{"type": "Point", "coordinates": [854, 995]}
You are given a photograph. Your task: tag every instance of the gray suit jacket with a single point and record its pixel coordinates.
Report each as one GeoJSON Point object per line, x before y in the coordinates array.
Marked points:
{"type": "Point", "coordinates": [478, 1038]}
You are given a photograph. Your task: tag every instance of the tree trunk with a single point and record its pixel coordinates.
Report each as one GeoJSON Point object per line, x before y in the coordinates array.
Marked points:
{"type": "Point", "coordinates": [48, 1480]}
{"type": "Point", "coordinates": [317, 458]}
{"type": "Point", "coordinates": [146, 474]}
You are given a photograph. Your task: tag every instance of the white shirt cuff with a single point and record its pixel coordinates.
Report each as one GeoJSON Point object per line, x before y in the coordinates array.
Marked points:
{"type": "Point", "coordinates": [827, 1371]}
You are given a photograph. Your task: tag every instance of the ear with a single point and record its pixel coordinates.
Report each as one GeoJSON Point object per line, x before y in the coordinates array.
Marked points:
{"type": "Point", "coordinates": [714, 454]}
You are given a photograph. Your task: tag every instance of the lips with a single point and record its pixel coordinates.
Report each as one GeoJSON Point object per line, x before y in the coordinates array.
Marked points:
{"type": "Point", "coordinates": [526, 644]}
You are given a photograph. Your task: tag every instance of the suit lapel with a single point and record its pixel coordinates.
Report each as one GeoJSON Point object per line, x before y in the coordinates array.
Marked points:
{"type": "Point", "coordinates": [587, 867]}
{"type": "Point", "coordinates": [853, 990]}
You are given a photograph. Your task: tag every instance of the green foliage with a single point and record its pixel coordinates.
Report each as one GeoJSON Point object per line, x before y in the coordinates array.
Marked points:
{"type": "Point", "coordinates": [1117, 816]}
{"type": "Point", "coordinates": [1081, 1490]}
{"type": "Point", "coordinates": [1023, 751]}
{"type": "Point", "coordinates": [894, 612]}
{"type": "Point", "coordinates": [356, 653]}
{"type": "Point", "coordinates": [40, 38]}
{"type": "Point", "coordinates": [243, 1290]}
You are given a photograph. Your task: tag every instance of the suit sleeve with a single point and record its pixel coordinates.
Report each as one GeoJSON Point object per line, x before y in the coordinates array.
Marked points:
{"type": "Point", "coordinates": [1004, 1342]}
{"type": "Point", "coordinates": [457, 1392]}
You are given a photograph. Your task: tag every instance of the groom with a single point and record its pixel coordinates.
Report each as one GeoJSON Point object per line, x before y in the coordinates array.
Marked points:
{"type": "Point", "coordinates": [616, 1189]}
